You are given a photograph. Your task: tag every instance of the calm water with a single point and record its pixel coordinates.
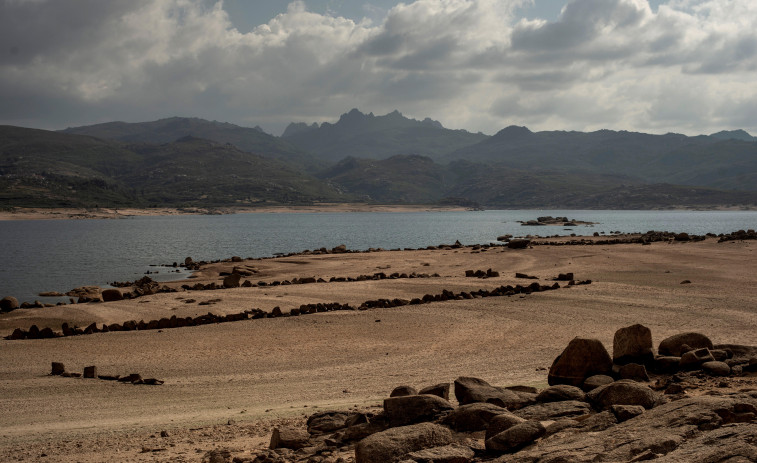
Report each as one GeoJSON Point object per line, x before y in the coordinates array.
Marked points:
{"type": "Point", "coordinates": [58, 255]}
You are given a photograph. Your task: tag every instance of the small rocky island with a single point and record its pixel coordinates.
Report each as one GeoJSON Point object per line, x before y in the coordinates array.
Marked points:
{"type": "Point", "coordinates": [549, 220]}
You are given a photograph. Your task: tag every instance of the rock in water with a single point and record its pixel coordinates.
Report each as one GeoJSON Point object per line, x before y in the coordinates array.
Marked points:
{"type": "Point", "coordinates": [582, 358]}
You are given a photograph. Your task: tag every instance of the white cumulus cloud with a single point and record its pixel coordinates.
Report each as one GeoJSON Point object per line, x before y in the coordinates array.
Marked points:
{"type": "Point", "coordinates": [687, 66]}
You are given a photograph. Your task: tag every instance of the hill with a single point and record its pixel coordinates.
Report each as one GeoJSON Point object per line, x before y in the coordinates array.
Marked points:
{"type": "Point", "coordinates": [361, 135]}
{"type": "Point", "coordinates": [252, 140]}
{"type": "Point", "coordinates": [706, 161]}
{"type": "Point", "coordinates": [53, 169]}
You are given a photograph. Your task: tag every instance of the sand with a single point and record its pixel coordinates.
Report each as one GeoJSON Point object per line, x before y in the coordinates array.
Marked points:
{"type": "Point", "coordinates": [256, 373]}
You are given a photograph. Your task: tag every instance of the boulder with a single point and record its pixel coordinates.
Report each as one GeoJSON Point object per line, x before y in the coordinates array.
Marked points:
{"type": "Point", "coordinates": [622, 392]}
{"type": "Point", "coordinates": [57, 369]}
{"type": "Point", "coordinates": [90, 372]}
{"type": "Point", "coordinates": [289, 438]}
{"type": "Point", "coordinates": [469, 390]}
{"type": "Point", "coordinates": [8, 303]}
{"type": "Point", "coordinates": [582, 358]}
{"type": "Point", "coordinates": [518, 244]}
{"type": "Point", "coordinates": [232, 281]}
{"type": "Point", "coordinates": [560, 392]}
{"type": "Point", "coordinates": [327, 421]}
{"type": "Point", "coordinates": [112, 294]}
{"type": "Point", "coordinates": [626, 412]}
{"type": "Point", "coordinates": [694, 359]}
{"type": "Point", "coordinates": [445, 454]}
{"type": "Point", "coordinates": [236, 259]}
{"type": "Point", "coordinates": [473, 417]}
{"type": "Point", "coordinates": [441, 390]}
{"type": "Point", "coordinates": [502, 422]}
{"type": "Point", "coordinates": [593, 382]}
{"type": "Point", "coordinates": [516, 437]}
{"type": "Point", "coordinates": [689, 430]}
{"type": "Point", "coordinates": [716, 368]}
{"type": "Point", "coordinates": [400, 391]}
{"type": "Point", "coordinates": [392, 445]}
{"type": "Point", "coordinates": [632, 344]}
{"type": "Point", "coordinates": [633, 371]}
{"type": "Point", "coordinates": [673, 345]}
{"type": "Point", "coordinates": [410, 409]}
{"type": "Point", "coordinates": [554, 410]}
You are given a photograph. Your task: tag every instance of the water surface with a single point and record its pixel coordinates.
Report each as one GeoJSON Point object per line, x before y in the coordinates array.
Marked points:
{"type": "Point", "coordinates": [58, 255]}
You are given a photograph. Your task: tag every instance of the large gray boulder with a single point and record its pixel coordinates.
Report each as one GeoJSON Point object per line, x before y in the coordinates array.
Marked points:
{"type": "Point", "coordinates": [622, 392]}
{"type": "Point", "coordinates": [392, 445]}
{"type": "Point", "coordinates": [410, 409]}
{"type": "Point", "coordinates": [632, 344]}
{"type": "Point", "coordinates": [581, 359]}
{"type": "Point", "coordinates": [469, 390]}
{"type": "Point", "coordinates": [673, 345]}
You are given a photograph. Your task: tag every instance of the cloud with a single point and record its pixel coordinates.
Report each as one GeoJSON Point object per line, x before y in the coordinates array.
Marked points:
{"type": "Point", "coordinates": [688, 66]}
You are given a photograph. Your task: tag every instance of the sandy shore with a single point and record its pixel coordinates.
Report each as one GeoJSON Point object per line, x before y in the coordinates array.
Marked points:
{"type": "Point", "coordinates": [227, 384]}
{"type": "Point", "coordinates": [112, 213]}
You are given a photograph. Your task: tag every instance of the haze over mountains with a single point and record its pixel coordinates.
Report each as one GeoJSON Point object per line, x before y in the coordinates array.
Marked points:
{"type": "Point", "coordinates": [362, 157]}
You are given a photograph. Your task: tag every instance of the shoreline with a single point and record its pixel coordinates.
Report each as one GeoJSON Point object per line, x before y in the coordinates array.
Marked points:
{"type": "Point", "coordinates": [42, 213]}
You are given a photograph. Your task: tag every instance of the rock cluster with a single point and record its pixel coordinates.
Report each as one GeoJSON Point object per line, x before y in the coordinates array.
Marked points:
{"type": "Point", "coordinates": [58, 369]}
{"type": "Point", "coordinates": [233, 279]}
{"type": "Point", "coordinates": [177, 322]}
{"type": "Point", "coordinates": [616, 420]}
{"type": "Point", "coordinates": [739, 235]}
{"type": "Point", "coordinates": [489, 273]}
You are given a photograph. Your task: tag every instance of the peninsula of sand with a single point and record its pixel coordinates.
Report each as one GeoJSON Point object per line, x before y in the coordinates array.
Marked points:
{"type": "Point", "coordinates": [249, 347]}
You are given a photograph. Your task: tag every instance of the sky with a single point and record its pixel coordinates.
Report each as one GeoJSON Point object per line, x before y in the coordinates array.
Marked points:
{"type": "Point", "coordinates": [685, 66]}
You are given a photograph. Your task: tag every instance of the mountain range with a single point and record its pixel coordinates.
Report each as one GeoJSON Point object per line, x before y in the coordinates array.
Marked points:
{"type": "Point", "coordinates": [362, 157]}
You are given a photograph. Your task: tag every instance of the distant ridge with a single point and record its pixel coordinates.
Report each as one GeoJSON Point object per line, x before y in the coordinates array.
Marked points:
{"type": "Point", "coordinates": [252, 140]}
{"type": "Point", "coordinates": [377, 137]}
{"type": "Point", "coordinates": [364, 157]}
{"type": "Point", "coordinates": [734, 135]}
